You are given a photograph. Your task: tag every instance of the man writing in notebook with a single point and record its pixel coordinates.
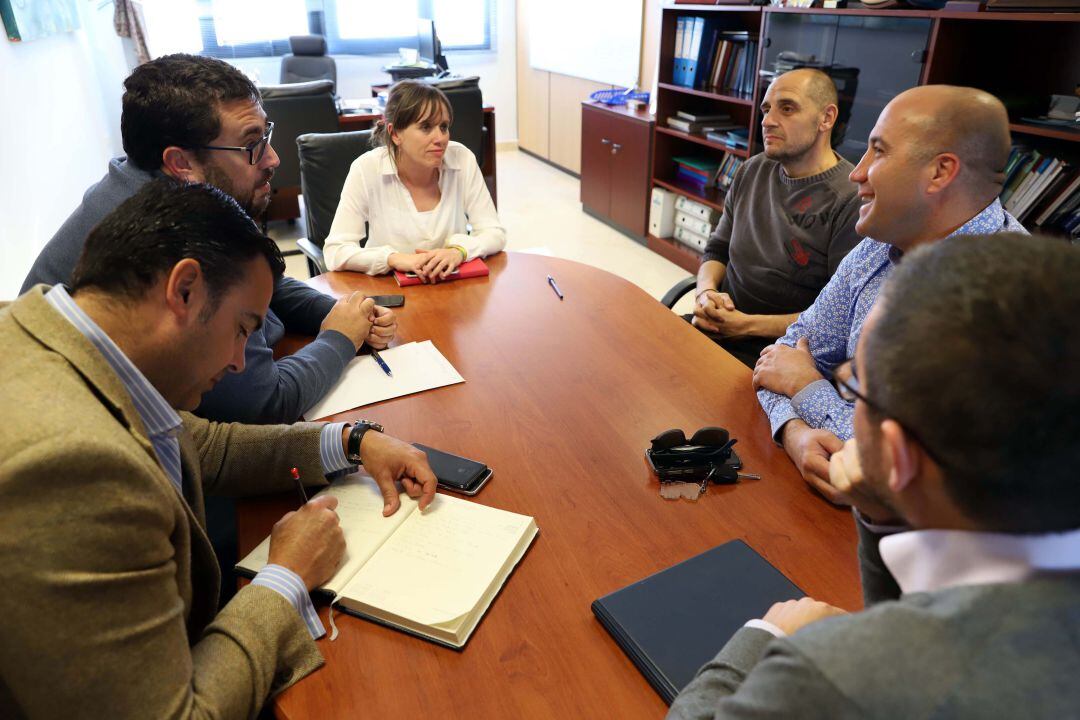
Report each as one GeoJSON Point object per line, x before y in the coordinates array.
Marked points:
{"type": "Point", "coordinates": [110, 596]}
{"type": "Point", "coordinates": [933, 168]}
{"type": "Point", "coordinates": [199, 119]}
{"type": "Point", "coordinates": [964, 482]}
{"type": "Point", "coordinates": [788, 221]}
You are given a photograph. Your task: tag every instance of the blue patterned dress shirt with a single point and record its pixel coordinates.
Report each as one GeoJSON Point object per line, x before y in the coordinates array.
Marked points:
{"type": "Point", "coordinates": [832, 326]}
{"type": "Point", "coordinates": [163, 426]}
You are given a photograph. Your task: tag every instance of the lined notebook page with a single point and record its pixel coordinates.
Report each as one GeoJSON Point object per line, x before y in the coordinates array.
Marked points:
{"type": "Point", "coordinates": [439, 564]}
{"type": "Point", "coordinates": [360, 507]}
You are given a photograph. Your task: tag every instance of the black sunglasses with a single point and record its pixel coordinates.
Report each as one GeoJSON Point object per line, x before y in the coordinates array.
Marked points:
{"type": "Point", "coordinates": [708, 454]}
{"type": "Point", "coordinates": [255, 150]}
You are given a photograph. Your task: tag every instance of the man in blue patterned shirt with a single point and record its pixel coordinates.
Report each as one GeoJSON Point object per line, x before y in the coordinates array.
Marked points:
{"type": "Point", "coordinates": [933, 168]}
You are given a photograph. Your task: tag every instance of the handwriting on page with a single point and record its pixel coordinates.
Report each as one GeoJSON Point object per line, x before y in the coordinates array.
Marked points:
{"type": "Point", "coordinates": [439, 563]}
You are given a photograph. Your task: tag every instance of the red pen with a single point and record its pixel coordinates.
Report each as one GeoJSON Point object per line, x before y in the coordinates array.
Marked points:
{"type": "Point", "coordinates": [299, 486]}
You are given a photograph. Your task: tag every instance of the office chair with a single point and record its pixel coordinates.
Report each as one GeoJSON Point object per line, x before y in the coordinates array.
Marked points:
{"type": "Point", "coordinates": [296, 109]}
{"type": "Point", "coordinates": [308, 61]}
{"type": "Point", "coordinates": [677, 291]}
{"type": "Point", "coordinates": [324, 164]}
{"type": "Point", "coordinates": [468, 106]}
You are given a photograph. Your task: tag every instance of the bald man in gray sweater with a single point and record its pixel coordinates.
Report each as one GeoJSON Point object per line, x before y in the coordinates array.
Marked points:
{"type": "Point", "coordinates": [789, 219]}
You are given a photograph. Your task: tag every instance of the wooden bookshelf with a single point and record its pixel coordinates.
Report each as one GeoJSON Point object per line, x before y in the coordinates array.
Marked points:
{"type": "Point", "coordinates": [1046, 132]}
{"type": "Point", "coordinates": [669, 143]}
{"type": "Point", "coordinates": [1020, 57]}
{"type": "Point", "coordinates": [676, 252]}
{"type": "Point", "coordinates": [702, 140]}
{"type": "Point", "coordinates": [711, 94]}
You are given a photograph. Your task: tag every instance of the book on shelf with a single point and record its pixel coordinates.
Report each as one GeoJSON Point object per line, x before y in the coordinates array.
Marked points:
{"type": "Point", "coordinates": [734, 138]}
{"type": "Point", "coordinates": [1069, 188]}
{"type": "Point", "coordinates": [726, 172]}
{"type": "Point", "coordinates": [699, 171]}
{"type": "Point", "coordinates": [1039, 188]}
{"type": "Point", "coordinates": [432, 574]}
{"type": "Point", "coordinates": [697, 128]}
{"type": "Point", "coordinates": [717, 118]}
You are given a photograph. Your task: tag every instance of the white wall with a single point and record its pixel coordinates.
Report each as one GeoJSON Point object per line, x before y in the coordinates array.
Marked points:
{"type": "Point", "coordinates": [59, 125]}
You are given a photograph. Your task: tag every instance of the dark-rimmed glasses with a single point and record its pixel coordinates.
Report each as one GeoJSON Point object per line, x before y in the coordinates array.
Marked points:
{"type": "Point", "coordinates": [255, 150]}
{"type": "Point", "coordinates": [850, 390]}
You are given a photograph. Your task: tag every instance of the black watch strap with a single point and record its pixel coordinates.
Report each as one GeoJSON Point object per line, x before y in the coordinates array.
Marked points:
{"type": "Point", "coordinates": [356, 436]}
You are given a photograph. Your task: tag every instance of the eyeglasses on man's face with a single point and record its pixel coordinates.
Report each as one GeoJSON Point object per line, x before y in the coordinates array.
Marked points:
{"type": "Point", "coordinates": [850, 390]}
{"type": "Point", "coordinates": [255, 150]}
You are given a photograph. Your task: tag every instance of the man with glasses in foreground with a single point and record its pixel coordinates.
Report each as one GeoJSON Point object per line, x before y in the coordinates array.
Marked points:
{"type": "Point", "coordinates": [933, 168]}
{"type": "Point", "coordinates": [199, 119]}
{"type": "Point", "coordinates": [963, 478]}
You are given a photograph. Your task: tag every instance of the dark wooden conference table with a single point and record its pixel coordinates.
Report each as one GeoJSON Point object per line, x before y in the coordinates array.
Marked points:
{"type": "Point", "coordinates": [561, 399]}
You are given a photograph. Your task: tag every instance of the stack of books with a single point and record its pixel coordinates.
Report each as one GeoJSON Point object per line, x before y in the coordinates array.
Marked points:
{"type": "Point", "coordinates": [1042, 190]}
{"type": "Point", "coordinates": [700, 124]}
{"type": "Point", "coordinates": [696, 172]}
{"type": "Point", "coordinates": [732, 137]}
{"type": "Point", "coordinates": [708, 57]}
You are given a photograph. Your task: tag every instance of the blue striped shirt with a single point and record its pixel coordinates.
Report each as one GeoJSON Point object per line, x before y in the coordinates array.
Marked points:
{"type": "Point", "coordinates": [163, 426]}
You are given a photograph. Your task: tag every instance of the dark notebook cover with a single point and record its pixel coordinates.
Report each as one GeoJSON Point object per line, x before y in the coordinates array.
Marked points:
{"type": "Point", "coordinates": [673, 622]}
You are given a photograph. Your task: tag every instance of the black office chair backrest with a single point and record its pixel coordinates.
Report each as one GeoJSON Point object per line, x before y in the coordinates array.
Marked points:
{"type": "Point", "coordinates": [468, 129]}
{"type": "Point", "coordinates": [297, 109]}
{"type": "Point", "coordinates": [308, 61]}
{"type": "Point", "coordinates": [324, 164]}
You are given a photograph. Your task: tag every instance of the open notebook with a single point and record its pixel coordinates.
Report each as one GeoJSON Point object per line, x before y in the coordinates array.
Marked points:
{"type": "Point", "coordinates": [432, 574]}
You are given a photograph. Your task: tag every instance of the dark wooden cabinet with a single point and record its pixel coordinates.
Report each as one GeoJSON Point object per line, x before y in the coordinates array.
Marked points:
{"type": "Point", "coordinates": [616, 155]}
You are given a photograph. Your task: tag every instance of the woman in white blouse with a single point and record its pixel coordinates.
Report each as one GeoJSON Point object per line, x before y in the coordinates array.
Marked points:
{"type": "Point", "coordinates": [416, 192]}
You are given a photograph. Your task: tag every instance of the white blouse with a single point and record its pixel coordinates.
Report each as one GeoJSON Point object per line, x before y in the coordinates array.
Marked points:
{"type": "Point", "coordinates": [373, 193]}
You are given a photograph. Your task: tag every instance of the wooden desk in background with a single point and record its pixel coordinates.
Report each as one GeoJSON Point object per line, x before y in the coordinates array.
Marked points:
{"type": "Point", "coordinates": [365, 121]}
{"type": "Point", "coordinates": [561, 399]}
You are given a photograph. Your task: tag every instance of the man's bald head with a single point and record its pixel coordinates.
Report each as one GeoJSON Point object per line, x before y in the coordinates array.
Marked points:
{"type": "Point", "coordinates": [969, 123]}
{"type": "Point", "coordinates": [814, 84]}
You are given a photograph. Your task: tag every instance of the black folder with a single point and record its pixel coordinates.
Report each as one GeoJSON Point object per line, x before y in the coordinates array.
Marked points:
{"type": "Point", "coordinates": [673, 622]}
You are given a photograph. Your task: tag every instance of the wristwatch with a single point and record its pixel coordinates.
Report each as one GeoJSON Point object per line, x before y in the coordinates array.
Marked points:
{"type": "Point", "coordinates": [356, 435]}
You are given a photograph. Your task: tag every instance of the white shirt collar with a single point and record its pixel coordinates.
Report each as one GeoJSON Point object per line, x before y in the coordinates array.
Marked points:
{"type": "Point", "coordinates": [930, 560]}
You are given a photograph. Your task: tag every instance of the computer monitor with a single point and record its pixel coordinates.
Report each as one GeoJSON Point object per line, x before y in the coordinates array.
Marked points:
{"type": "Point", "coordinates": [429, 49]}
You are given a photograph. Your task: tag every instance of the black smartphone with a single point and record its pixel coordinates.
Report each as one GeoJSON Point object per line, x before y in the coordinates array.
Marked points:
{"type": "Point", "coordinates": [455, 473]}
{"type": "Point", "coordinates": [389, 300]}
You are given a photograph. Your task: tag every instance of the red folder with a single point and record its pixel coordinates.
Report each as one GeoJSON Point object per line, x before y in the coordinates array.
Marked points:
{"type": "Point", "coordinates": [474, 268]}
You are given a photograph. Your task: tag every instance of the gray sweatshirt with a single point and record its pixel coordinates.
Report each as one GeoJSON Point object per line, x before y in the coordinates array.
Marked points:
{"type": "Point", "coordinates": [267, 391]}
{"type": "Point", "coordinates": [782, 239]}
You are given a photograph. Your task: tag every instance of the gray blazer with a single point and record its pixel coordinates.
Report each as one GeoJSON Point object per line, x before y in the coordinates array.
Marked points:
{"type": "Point", "coordinates": [981, 651]}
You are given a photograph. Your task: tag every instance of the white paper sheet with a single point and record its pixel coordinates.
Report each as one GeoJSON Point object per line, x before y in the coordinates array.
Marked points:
{"type": "Point", "coordinates": [417, 366]}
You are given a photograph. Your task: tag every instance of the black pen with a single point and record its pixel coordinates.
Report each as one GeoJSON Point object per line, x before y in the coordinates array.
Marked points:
{"type": "Point", "coordinates": [551, 282]}
{"type": "Point", "coordinates": [299, 486]}
{"type": "Point", "coordinates": [382, 363]}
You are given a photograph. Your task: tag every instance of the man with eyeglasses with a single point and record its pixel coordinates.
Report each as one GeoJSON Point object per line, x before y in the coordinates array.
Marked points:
{"type": "Point", "coordinates": [199, 119]}
{"type": "Point", "coordinates": [933, 168]}
{"type": "Point", "coordinates": [963, 478]}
